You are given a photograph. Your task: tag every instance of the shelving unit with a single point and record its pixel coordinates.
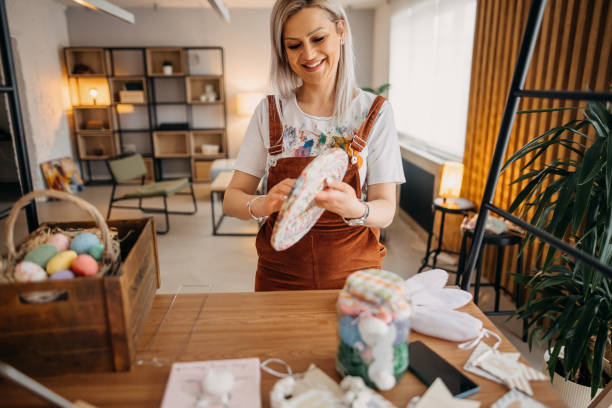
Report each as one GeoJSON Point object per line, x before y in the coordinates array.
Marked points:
{"type": "Point", "coordinates": [141, 108]}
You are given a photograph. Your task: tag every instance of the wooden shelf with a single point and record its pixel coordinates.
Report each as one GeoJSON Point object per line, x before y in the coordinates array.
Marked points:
{"type": "Point", "coordinates": [207, 137]}
{"type": "Point", "coordinates": [95, 146]}
{"type": "Point", "coordinates": [157, 56]}
{"type": "Point", "coordinates": [122, 92]}
{"type": "Point", "coordinates": [200, 169]}
{"type": "Point", "coordinates": [92, 119]}
{"type": "Point", "coordinates": [196, 86]}
{"type": "Point", "coordinates": [171, 144]}
{"type": "Point", "coordinates": [85, 62]}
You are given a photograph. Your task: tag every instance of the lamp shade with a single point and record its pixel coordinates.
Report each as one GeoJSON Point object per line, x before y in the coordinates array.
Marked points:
{"type": "Point", "coordinates": [246, 102]}
{"type": "Point", "coordinates": [450, 181]}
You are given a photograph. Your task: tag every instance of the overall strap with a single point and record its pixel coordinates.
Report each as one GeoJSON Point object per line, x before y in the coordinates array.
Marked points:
{"type": "Point", "coordinates": [361, 137]}
{"type": "Point", "coordinates": [276, 128]}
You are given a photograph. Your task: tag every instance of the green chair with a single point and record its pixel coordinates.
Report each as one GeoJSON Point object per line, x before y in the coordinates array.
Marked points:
{"type": "Point", "coordinates": [130, 167]}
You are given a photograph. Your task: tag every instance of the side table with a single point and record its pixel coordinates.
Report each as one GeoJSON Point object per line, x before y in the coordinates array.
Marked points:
{"type": "Point", "coordinates": [460, 206]}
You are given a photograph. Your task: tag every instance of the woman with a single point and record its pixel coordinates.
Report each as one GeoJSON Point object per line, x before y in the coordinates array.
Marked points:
{"type": "Point", "coordinates": [318, 107]}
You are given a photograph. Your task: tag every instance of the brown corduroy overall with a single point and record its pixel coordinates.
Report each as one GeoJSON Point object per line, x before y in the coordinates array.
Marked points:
{"type": "Point", "coordinates": [331, 250]}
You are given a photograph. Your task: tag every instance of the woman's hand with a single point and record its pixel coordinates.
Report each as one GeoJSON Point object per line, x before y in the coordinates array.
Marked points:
{"type": "Point", "coordinates": [340, 198]}
{"type": "Point", "coordinates": [275, 198]}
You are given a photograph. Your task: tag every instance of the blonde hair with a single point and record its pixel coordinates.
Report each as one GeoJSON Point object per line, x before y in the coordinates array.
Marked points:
{"type": "Point", "coordinates": [282, 77]}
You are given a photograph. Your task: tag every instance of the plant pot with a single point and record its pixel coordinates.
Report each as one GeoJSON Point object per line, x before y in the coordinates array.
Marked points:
{"type": "Point", "coordinates": [574, 394]}
{"type": "Point", "coordinates": [167, 69]}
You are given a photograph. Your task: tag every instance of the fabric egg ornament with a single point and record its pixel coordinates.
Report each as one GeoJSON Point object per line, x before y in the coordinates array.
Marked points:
{"type": "Point", "coordinates": [29, 272]}
{"type": "Point", "coordinates": [61, 242]}
{"type": "Point", "coordinates": [96, 251]}
{"type": "Point", "coordinates": [85, 265]}
{"type": "Point", "coordinates": [349, 333]}
{"type": "Point", "coordinates": [41, 254]}
{"type": "Point", "coordinates": [64, 274]}
{"type": "Point", "coordinates": [83, 242]}
{"type": "Point", "coordinates": [61, 261]}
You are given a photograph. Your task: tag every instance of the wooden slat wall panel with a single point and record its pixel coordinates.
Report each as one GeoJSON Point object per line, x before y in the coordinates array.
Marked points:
{"type": "Point", "coordinates": [574, 52]}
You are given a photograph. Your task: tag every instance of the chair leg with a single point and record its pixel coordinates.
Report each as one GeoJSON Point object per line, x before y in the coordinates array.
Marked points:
{"type": "Point", "coordinates": [110, 202]}
{"type": "Point", "coordinates": [165, 231]}
{"type": "Point", "coordinates": [461, 259]}
{"type": "Point", "coordinates": [478, 275]}
{"type": "Point", "coordinates": [193, 198]}
{"type": "Point", "coordinates": [519, 295]}
{"type": "Point", "coordinates": [498, 271]}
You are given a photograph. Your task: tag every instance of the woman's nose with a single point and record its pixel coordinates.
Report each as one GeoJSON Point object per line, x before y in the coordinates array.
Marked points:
{"type": "Point", "coordinates": [308, 51]}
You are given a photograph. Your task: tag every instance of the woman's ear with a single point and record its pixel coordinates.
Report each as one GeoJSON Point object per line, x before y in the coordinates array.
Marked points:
{"type": "Point", "coordinates": [341, 30]}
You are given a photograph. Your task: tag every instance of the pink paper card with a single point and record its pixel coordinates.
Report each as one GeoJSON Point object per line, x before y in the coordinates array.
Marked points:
{"type": "Point", "coordinates": [184, 387]}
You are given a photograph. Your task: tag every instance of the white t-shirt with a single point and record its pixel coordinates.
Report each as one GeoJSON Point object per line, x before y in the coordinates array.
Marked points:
{"type": "Point", "coordinates": [308, 135]}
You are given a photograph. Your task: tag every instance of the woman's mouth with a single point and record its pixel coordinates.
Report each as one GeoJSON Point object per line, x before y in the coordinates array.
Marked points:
{"type": "Point", "coordinates": [313, 66]}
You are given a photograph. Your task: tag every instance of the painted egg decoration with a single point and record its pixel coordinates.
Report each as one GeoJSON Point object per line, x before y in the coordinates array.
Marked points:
{"type": "Point", "coordinates": [64, 274]}
{"type": "Point", "coordinates": [41, 255]}
{"type": "Point", "coordinates": [61, 241]}
{"type": "Point", "coordinates": [96, 251]}
{"type": "Point", "coordinates": [61, 261]}
{"type": "Point", "coordinates": [83, 242]}
{"type": "Point", "coordinates": [85, 265]}
{"type": "Point", "coordinates": [29, 272]}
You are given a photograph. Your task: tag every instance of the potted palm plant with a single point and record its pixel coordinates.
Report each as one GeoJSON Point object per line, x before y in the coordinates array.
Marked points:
{"type": "Point", "coordinates": [569, 306]}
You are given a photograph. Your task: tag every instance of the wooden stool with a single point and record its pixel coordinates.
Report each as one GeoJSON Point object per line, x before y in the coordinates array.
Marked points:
{"type": "Point", "coordinates": [217, 191]}
{"type": "Point", "coordinates": [500, 241]}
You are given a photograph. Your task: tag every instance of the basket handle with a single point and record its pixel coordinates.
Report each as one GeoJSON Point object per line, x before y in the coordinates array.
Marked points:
{"type": "Point", "coordinates": [107, 256]}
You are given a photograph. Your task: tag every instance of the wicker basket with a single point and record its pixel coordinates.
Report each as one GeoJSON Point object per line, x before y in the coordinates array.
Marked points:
{"type": "Point", "coordinates": [110, 256]}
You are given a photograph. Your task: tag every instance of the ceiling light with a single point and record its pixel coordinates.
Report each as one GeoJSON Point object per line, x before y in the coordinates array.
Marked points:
{"type": "Point", "coordinates": [107, 7]}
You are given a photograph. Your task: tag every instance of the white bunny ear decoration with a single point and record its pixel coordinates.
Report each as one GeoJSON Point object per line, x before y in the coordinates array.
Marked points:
{"type": "Point", "coordinates": [443, 298]}
{"type": "Point", "coordinates": [432, 279]}
{"type": "Point", "coordinates": [445, 323]}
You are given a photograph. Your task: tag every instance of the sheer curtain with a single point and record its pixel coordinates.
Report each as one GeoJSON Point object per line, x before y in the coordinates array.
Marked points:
{"type": "Point", "coordinates": [430, 63]}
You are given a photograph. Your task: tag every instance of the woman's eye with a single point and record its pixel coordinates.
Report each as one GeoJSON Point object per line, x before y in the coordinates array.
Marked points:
{"type": "Point", "coordinates": [319, 39]}
{"type": "Point", "coordinates": [293, 46]}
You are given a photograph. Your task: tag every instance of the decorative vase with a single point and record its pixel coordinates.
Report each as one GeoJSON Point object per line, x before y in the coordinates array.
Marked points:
{"type": "Point", "coordinates": [209, 94]}
{"type": "Point", "coordinates": [574, 394]}
{"type": "Point", "coordinates": [167, 69]}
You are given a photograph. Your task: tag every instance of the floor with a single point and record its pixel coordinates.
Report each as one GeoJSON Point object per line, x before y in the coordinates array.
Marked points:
{"type": "Point", "coordinates": [193, 260]}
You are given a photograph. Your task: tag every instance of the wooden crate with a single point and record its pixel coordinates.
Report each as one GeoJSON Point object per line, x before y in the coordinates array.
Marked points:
{"type": "Point", "coordinates": [96, 323]}
{"type": "Point", "coordinates": [201, 170]}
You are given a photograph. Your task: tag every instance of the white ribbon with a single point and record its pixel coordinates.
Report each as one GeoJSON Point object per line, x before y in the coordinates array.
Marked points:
{"type": "Point", "coordinates": [264, 366]}
{"type": "Point", "coordinates": [484, 333]}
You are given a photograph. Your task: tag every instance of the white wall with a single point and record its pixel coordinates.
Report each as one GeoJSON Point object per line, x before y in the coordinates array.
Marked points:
{"type": "Point", "coordinates": [381, 40]}
{"type": "Point", "coordinates": [245, 42]}
{"type": "Point", "coordinates": [39, 33]}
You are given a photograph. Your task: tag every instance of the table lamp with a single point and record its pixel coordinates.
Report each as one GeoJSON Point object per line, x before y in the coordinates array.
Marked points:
{"type": "Point", "coordinates": [450, 181]}
{"type": "Point", "coordinates": [93, 92]}
{"type": "Point", "coordinates": [246, 102]}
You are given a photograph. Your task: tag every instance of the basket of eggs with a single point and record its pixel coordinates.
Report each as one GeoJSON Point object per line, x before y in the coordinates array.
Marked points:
{"type": "Point", "coordinates": [74, 296]}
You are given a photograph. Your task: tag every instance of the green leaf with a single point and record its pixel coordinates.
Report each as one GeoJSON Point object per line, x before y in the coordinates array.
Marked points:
{"type": "Point", "coordinates": [598, 356]}
{"type": "Point", "coordinates": [574, 351]}
{"type": "Point", "coordinates": [591, 165]}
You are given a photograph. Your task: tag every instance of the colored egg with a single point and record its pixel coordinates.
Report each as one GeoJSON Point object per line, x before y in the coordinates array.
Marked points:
{"type": "Point", "coordinates": [85, 265]}
{"type": "Point", "coordinates": [96, 251]}
{"type": "Point", "coordinates": [82, 242]}
{"type": "Point", "coordinates": [61, 241]}
{"type": "Point", "coordinates": [348, 330]}
{"type": "Point", "coordinates": [63, 260]}
{"type": "Point", "coordinates": [402, 330]}
{"type": "Point", "coordinates": [64, 274]}
{"type": "Point", "coordinates": [41, 254]}
{"type": "Point", "coordinates": [29, 272]}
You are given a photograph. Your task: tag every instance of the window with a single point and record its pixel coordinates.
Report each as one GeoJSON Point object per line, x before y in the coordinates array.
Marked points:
{"type": "Point", "coordinates": [430, 63]}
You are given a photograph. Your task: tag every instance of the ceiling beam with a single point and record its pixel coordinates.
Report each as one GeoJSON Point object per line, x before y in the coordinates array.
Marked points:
{"type": "Point", "coordinates": [109, 8]}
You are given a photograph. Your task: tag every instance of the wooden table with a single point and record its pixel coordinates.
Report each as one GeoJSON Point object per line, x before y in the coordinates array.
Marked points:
{"type": "Point", "coordinates": [298, 327]}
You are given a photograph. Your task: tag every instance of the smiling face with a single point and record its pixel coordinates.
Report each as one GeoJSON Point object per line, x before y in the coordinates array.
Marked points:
{"type": "Point", "coordinates": [312, 43]}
